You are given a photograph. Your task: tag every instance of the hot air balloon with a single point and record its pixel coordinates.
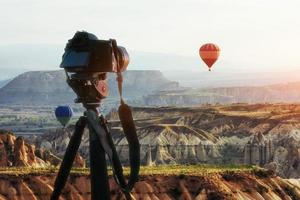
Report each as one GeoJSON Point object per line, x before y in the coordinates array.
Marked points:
{"type": "Point", "coordinates": [63, 114]}
{"type": "Point", "coordinates": [209, 53]}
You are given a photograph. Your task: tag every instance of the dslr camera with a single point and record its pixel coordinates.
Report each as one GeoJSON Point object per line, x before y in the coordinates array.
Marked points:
{"type": "Point", "coordinates": [86, 61]}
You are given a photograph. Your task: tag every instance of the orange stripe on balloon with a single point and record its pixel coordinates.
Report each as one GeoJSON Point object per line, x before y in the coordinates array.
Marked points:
{"type": "Point", "coordinates": [209, 54]}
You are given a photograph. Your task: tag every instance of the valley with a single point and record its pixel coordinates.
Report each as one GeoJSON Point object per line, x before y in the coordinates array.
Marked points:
{"type": "Point", "coordinates": [265, 135]}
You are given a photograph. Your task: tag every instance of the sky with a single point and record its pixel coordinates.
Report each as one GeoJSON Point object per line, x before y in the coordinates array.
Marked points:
{"type": "Point", "coordinates": [263, 35]}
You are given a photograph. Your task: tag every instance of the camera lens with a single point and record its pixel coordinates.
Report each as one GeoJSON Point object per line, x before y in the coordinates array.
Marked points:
{"type": "Point", "coordinates": [123, 58]}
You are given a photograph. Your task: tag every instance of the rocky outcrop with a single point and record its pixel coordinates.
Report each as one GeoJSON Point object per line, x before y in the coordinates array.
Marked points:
{"type": "Point", "coordinates": [79, 161]}
{"type": "Point", "coordinates": [286, 156]}
{"type": "Point", "coordinates": [280, 153]}
{"type": "Point", "coordinates": [258, 151]}
{"type": "Point", "coordinates": [16, 152]}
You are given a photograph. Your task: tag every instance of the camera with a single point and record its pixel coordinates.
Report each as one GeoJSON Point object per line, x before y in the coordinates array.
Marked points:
{"type": "Point", "coordinates": [85, 53]}
{"type": "Point", "coordinates": [86, 61]}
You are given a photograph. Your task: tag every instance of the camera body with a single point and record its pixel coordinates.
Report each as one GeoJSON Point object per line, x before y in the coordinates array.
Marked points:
{"type": "Point", "coordinates": [85, 53]}
{"type": "Point", "coordinates": [86, 61]}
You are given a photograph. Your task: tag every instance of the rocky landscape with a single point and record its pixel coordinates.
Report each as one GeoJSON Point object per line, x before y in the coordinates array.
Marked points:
{"type": "Point", "coordinates": [182, 132]}
{"type": "Point", "coordinates": [262, 134]}
{"type": "Point", "coordinates": [216, 186]}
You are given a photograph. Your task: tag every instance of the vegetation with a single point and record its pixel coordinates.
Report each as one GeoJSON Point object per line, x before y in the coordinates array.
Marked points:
{"type": "Point", "coordinates": [180, 170]}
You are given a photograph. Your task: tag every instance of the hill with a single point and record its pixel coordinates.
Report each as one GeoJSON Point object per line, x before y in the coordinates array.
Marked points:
{"type": "Point", "coordinates": [50, 87]}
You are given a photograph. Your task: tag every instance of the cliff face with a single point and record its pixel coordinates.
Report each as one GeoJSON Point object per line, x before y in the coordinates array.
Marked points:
{"type": "Point", "coordinates": [50, 87]}
{"type": "Point", "coordinates": [228, 186]}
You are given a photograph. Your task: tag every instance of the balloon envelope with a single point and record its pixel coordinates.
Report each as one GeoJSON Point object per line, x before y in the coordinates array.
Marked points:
{"type": "Point", "coordinates": [63, 114]}
{"type": "Point", "coordinates": [209, 53]}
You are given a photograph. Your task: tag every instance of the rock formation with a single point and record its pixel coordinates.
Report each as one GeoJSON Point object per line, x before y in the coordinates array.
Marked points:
{"type": "Point", "coordinates": [79, 161]}
{"type": "Point", "coordinates": [286, 155]}
{"type": "Point", "coordinates": [258, 151]}
{"type": "Point", "coordinates": [17, 152]}
{"type": "Point", "coordinates": [149, 161]}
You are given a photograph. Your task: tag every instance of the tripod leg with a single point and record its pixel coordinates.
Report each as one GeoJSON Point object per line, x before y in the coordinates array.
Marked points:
{"type": "Point", "coordinates": [68, 159]}
{"type": "Point", "coordinates": [117, 166]}
{"type": "Point", "coordinates": [99, 177]}
{"type": "Point", "coordinates": [98, 126]}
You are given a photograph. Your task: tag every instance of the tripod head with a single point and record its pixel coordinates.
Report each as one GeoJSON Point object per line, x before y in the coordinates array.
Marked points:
{"type": "Point", "coordinates": [90, 88]}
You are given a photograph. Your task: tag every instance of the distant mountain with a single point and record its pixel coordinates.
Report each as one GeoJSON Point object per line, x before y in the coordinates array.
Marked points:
{"type": "Point", "coordinates": [50, 87]}
{"type": "Point", "coordinates": [4, 82]}
{"type": "Point", "coordinates": [277, 93]}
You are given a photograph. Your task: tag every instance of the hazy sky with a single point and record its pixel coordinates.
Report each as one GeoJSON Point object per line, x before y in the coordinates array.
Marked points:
{"type": "Point", "coordinates": [261, 33]}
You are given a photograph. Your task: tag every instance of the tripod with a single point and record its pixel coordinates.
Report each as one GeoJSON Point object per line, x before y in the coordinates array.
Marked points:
{"type": "Point", "coordinates": [100, 144]}
{"type": "Point", "coordinates": [91, 88]}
